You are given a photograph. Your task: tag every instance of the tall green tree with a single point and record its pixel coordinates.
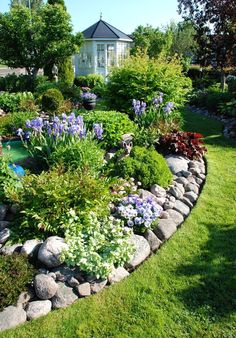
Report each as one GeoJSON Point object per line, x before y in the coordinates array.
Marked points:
{"type": "Point", "coordinates": [33, 4]}
{"type": "Point", "coordinates": [151, 41]}
{"type": "Point", "coordinates": [215, 23]}
{"type": "Point", "coordinates": [33, 39]}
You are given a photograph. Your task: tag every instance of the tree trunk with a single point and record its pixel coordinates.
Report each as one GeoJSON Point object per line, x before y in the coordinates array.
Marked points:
{"type": "Point", "coordinates": [222, 80]}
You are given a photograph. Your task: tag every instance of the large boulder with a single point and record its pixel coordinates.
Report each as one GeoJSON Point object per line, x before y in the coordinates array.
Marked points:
{"type": "Point", "coordinates": [3, 211]}
{"type": "Point", "coordinates": [182, 208]}
{"type": "Point", "coordinates": [176, 216]}
{"type": "Point", "coordinates": [4, 224]}
{"type": "Point", "coordinates": [159, 201]}
{"type": "Point", "coordinates": [63, 297]}
{"type": "Point", "coordinates": [50, 251]}
{"type": "Point", "coordinates": [45, 286]}
{"type": "Point", "coordinates": [8, 250]}
{"type": "Point", "coordinates": [11, 317]}
{"type": "Point", "coordinates": [177, 163]}
{"type": "Point", "coordinates": [4, 235]}
{"type": "Point", "coordinates": [38, 308]}
{"type": "Point", "coordinates": [98, 285]}
{"type": "Point", "coordinates": [31, 247]}
{"type": "Point", "coordinates": [165, 229]}
{"type": "Point", "coordinates": [142, 251]}
{"type": "Point", "coordinates": [117, 275]}
{"type": "Point", "coordinates": [83, 290]}
{"type": "Point", "coordinates": [152, 239]}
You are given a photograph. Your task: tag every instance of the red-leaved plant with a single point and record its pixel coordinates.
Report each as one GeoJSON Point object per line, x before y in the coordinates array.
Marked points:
{"type": "Point", "coordinates": [187, 144]}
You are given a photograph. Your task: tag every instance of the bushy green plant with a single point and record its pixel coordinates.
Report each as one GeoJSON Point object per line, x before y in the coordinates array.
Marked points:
{"type": "Point", "coordinates": [51, 100]}
{"type": "Point", "coordinates": [141, 77]}
{"type": "Point", "coordinates": [9, 181]}
{"type": "Point", "coordinates": [47, 199]}
{"type": "Point", "coordinates": [99, 246]}
{"type": "Point", "coordinates": [16, 274]}
{"type": "Point", "coordinates": [91, 80]}
{"type": "Point", "coordinates": [114, 125]}
{"type": "Point", "coordinates": [228, 108]}
{"type": "Point", "coordinates": [12, 121]}
{"type": "Point", "coordinates": [231, 81]}
{"type": "Point", "coordinates": [145, 165]}
{"type": "Point", "coordinates": [20, 83]}
{"type": "Point", "coordinates": [10, 102]}
{"type": "Point", "coordinates": [66, 71]}
{"type": "Point", "coordinates": [85, 154]}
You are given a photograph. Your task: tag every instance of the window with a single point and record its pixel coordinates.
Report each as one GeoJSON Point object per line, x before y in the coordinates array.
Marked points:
{"type": "Point", "coordinates": [110, 55]}
{"type": "Point", "coordinates": [101, 55]}
{"type": "Point", "coordinates": [123, 51]}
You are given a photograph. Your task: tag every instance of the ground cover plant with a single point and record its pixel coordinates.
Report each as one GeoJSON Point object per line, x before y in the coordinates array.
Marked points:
{"type": "Point", "coordinates": [190, 289]}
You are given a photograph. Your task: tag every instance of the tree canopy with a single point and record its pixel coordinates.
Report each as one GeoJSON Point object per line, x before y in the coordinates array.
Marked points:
{"type": "Point", "coordinates": [215, 22]}
{"type": "Point", "coordinates": [33, 39]}
{"type": "Point", "coordinates": [33, 4]}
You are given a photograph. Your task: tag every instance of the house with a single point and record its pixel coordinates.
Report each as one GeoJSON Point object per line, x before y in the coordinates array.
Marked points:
{"type": "Point", "coordinates": [105, 46]}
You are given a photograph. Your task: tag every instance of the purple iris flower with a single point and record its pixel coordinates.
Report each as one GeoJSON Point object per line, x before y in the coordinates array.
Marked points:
{"type": "Point", "coordinates": [64, 116]}
{"type": "Point", "coordinates": [27, 135]}
{"type": "Point", "coordinates": [97, 127]}
{"type": "Point", "coordinates": [80, 120]}
{"type": "Point", "coordinates": [20, 132]}
{"type": "Point", "coordinates": [168, 108]}
{"type": "Point", "coordinates": [139, 107]}
{"type": "Point", "coordinates": [28, 124]}
{"type": "Point", "coordinates": [71, 118]}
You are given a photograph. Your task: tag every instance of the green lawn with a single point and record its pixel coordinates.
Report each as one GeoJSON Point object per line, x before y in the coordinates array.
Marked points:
{"type": "Point", "coordinates": [188, 289]}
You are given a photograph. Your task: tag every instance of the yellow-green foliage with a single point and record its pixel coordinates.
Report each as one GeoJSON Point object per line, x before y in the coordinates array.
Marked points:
{"type": "Point", "coordinates": [51, 100]}
{"type": "Point", "coordinates": [141, 78]}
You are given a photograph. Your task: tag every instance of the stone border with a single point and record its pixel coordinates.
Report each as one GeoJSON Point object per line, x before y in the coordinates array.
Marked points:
{"type": "Point", "coordinates": [57, 286]}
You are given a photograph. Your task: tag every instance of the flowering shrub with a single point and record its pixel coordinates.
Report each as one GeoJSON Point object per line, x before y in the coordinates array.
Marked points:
{"type": "Point", "coordinates": [43, 137]}
{"type": "Point", "coordinates": [183, 143]}
{"type": "Point", "coordinates": [99, 246]}
{"type": "Point", "coordinates": [137, 213]}
{"type": "Point", "coordinates": [87, 96]}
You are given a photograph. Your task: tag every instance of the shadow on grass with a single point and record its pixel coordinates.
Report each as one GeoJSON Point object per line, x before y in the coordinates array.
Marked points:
{"type": "Point", "coordinates": [215, 272]}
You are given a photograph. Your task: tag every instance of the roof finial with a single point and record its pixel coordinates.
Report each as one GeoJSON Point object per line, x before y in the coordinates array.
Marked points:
{"type": "Point", "coordinates": [101, 16]}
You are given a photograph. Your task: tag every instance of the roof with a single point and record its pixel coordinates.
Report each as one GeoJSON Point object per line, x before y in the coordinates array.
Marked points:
{"type": "Point", "coordinates": [103, 30]}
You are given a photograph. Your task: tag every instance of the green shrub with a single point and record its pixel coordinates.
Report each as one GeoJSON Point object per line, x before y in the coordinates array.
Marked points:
{"type": "Point", "coordinates": [144, 165]}
{"type": "Point", "coordinates": [9, 181]}
{"type": "Point", "coordinates": [231, 81]}
{"type": "Point", "coordinates": [43, 87]}
{"type": "Point", "coordinates": [91, 80]}
{"type": "Point", "coordinates": [13, 121]}
{"type": "Point", "coordinates": [141, 78]}
{"type": "Point", "coordinates": [48, 199]}
{"type": "Point", "coordinates": [20, 83]}
{"type": "Point", "coordinates": [84, 154]}
{"type": "Point", "coordinates": [66, 71]}
{"type": "Point", "coordinates": [228, 108]}
{"type": "Point", "coordinates": [10, 102]}
{"type": "Point", "coordinates": [114, 126]}
{"type": "Point", "coordinates": [16, 273]}
{"type": "Point", "coordinates": [51, 100]}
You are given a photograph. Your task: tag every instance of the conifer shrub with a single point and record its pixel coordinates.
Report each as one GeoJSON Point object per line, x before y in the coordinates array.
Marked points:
{"type": "Point", "coordinates": [51, 100]}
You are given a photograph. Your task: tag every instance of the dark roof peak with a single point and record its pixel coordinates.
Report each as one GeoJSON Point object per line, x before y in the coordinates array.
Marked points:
{"type": "Point", "coordinates": [102, 29]}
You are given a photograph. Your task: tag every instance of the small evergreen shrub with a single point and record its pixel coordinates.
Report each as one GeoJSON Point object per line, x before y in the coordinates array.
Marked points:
{"type": "Point", "coordinates": [20, 83]}
{"type": "Point", "coordinates": [91, 80]}
{"type": "Point", "coordinates": [114, 125]}
{"type": "Point", "coordinates": [15, 274]}
{"type": "Point", "coordinates": [186, 144]}
{"type": "Point", "coordinates": [51, 100]}
{"type": "Point", "coordinates": [66, 71]}
{"type": "Point", "coordinates": [145, 166]}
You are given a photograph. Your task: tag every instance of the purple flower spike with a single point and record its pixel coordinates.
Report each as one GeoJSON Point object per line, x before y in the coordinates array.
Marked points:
{"type": "Point", "coordinates": [28, 124]}
{"type": "Point", "coordinates": [20, 132]}
{"type": "Point", "coordinates": [97, 127]}
{"type": "Point", "coordinates": [168, 108]}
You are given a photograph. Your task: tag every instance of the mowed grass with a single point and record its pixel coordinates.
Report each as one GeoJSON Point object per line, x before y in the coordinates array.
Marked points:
{"type": "Point", "coordinates": [188, 289]}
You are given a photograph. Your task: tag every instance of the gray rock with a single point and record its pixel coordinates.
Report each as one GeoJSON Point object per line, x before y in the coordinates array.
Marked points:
{"type": "Point", "coordinates": [176, 192]}
{"type": "Point", "coordinates": [44, 271]}
{"type": "Point", "coordinates": [186, 201]}
{"type": "Point", "coordinates": [168, 205]}
{"type": "Point", "coordinates": [72, 281]}
{"type": "Point", "coordinates": [182, 208]}
{"type": "Point", "coordinates": [164, 214]}
{"type": "Point", "coordinates": [4, 224]}
{"type": "Point", "coordinates": [50, 251]}
{"type": "Point", "coordinates": [198, 180]}
{"type": "Point", "coordinates": [195, 171]}
{"type": "Point", "coordinates": [182, 180]}
{"type": "Point", "coordinates": [171, 198]}
{"type": "Point", "coordinates": [53, 275]}
{"type": "Point", "coordinates": [158, 191]}
{"type": "Point", "coordinates": [38, 308]}
{"type": "Point", "coordinates": [152, 239]}
{"type": "Point", "coordinates": [144, 194]}
{"type": "Point", "coordinates": [63, 297]}
{"type": "Point", "coordinates": [4, 235]}
{"type": "Point", "coordinates": [192, 187]}
{"type": "Point", "coordinates": [180, 187]}
{"type": "Point", "coordinates": [3, 211]}
{"type": "Point", "coordinates": [11, 317]}
{"type": "Point", "coordinates": [45, 286]}
{"type": "Point", "coordinates": [177, 163]}
{"type": "Point", "coordinates": [31, 247]}
{"type": "Point", "coordinates": [83, 290]}
{"type": "Point", "coordinates": [117, 275]}
{"type": "Point", "coordinates": [64, 273]}
{"type": "Point", "coordinates": [142, 251]}
{"type": "Point", "coordinates": [24, 298]}
{"type": "Point", "coordinates": [98, 285]}
{"type": "Point", "coordinates": [8, 250]}
{"type": "Point", "coordinates": [14, 209]}
{"type": "Point", "coordinates": [176, 216]}
{"type": "Point", "coordinates": [184, 173]}
{"type": "Point", "coordinates": [191, 196]}
{"type": "Point", "coordinates": [165, 229]}
{"type": "Point", "coordinates": [202, 177]}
